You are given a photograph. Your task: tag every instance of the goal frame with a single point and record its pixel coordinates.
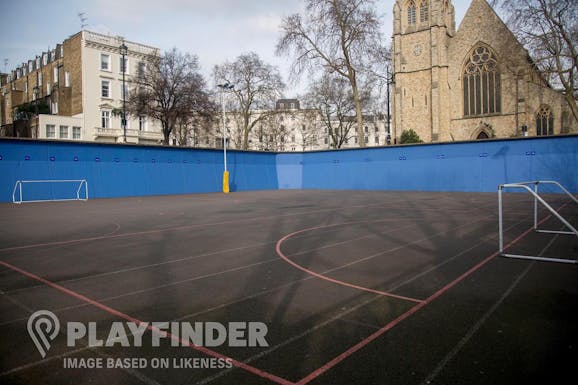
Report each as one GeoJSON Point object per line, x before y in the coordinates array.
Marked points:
{"type": "Point", "coordinates": [17, 195]}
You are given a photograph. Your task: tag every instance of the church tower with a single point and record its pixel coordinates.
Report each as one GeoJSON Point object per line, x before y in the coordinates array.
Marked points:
{"type": "Point", "coordinates": [421, 33]}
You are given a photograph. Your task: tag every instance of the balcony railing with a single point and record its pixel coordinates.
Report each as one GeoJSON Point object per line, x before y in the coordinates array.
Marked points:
{"type": "Point", "coordinates": [130, 133]}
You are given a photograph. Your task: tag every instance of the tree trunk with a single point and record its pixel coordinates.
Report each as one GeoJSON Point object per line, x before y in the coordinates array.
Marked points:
{"type": "Point", "coordinates": [166, 133]}
{"type": "Point", "coordinates": [246, 130]}
{"type": "Point", "coordinates": [358, 112]}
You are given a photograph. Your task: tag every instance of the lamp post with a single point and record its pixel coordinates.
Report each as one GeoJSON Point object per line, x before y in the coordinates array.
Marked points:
{"type": "Point", "coordinates": [389, 81]}
{"type": "Point", "coordinates": [35, 90]}
{"type": "Point", "coordinates": [123, 52]}
{"type": "Point", "coordinates": [224, 87]}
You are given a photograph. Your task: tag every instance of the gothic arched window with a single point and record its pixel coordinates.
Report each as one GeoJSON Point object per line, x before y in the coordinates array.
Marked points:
{"type": "Point", "coordinates": [411, 12]}
{"type": "Point", "coordinates": [423, 11]}
{"type": "Point", "coordinates": [481, 82]}
{"type": "Point", "coordinates": [544, 121]}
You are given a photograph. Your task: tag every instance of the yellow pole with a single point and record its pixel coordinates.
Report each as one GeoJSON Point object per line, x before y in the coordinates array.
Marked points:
{"type": "Point", "coordinates": [226, 182]}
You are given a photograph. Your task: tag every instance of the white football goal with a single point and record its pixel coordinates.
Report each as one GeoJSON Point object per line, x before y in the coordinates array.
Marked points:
{"type": "Point", "coordinates": [50, 190]}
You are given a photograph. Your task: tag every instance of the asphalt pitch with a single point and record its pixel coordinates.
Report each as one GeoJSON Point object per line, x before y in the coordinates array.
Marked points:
{"type": "Point", "coordinates": [355, 287]}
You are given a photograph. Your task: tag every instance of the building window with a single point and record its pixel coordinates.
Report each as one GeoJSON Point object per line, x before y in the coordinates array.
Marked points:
{"type": "Point", "coordinates": [48, 88]}
{"type": "Point", "coordinates": [481, 83]}
{"type": "Point", "coordinates": [142, 123]}
{"type": "Point", "coordinates": [50, 131]}
{"type": "Point", "coordinates": [423, 11]}
{"type": "Point", "coordinates": [104, 62]}
{"type": "Point", "coordinates": [105, 88]}
{"type": "Point", "coordinates": [55, 75]}
{"type": "Point", "coordinates": [141, 69]}
{"type": "Point", "coordinates": [63, 133]}
{"type": "Point", "coordinates": [105, 119]}
{"type": "Point", "coordinates": [75, 132]}
{"type": "Point", "coordinates": [39, 83]}
{"type": "Point", "coordinates": [377, 140]}
{"type": "Point", "coordinates": [411, 12]}
{"type": "Point", "coordinates": [67, 79]}
{"type": "Point", "coordinates": [544, 121]}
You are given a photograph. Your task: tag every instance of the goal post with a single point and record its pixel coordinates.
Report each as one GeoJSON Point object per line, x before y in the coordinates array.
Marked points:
{"type": "Point", "coordinates": [537, 199]}
{"type": "Point", "coordinates": [50, 190]}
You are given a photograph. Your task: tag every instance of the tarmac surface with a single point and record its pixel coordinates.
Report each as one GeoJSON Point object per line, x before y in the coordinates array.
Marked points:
{"type": "Point", "coordinates": [354, 287]}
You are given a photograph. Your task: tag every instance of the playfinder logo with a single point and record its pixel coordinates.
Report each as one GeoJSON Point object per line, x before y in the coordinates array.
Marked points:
{"type": "Point", "coordinates": [44, 326]}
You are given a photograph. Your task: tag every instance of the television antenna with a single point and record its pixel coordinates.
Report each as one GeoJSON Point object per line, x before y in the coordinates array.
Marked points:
{"type": "Point", "coordinates": [83, 20]}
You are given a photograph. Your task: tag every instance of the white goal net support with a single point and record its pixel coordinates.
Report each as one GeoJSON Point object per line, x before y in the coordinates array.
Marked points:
{"type": "Point", "coordinates": [537, 199]}
{"type": "Point", "coordinates": [50, 190]}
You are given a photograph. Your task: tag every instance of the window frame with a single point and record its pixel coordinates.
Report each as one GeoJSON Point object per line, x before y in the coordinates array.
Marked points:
{"type": "Point", "coordinates": [76, 132]}
{"type": "Point", "coordinates": [544, 121]}
{"type": "Point", "coordinates": [62, 132]}
{"type": "Point", "coordinates": [108, 66]}
{"type": "Point", "coordinates": [50, 130]}
{"type": "Point", "coordinates": [423, 11]}
{"type": "Point", "coordinates": [107, 88]}
{"type": "Point", "coordinates": [481, 83]}
{"type": "Point", "coordinates": [411, 12]}
{"type": "Point", "coordinates": [105, 118]}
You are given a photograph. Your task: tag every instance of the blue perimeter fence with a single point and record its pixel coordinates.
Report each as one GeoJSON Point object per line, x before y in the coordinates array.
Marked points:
{"type": "Point", "coordinates": [114, 170]}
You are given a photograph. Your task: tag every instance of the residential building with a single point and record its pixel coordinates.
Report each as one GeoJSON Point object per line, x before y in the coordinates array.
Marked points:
{"type": "Point", "coordinates": [288, 127]}
{"type": "Point", "coordinates": [76, 91]}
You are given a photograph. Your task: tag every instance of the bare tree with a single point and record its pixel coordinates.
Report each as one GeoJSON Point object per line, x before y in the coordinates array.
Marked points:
{"type": "Point", "coordinates": [308, 128]}
{"type": "Point", "coordinates": [257, 86]}
{"type": "Point", "coordinates": [332, 97]}
{"type": "Point", "coordinates": [171, 90]}
{"type": "Point", "coordinates": [549, 30]}
{"type": "Point", "coordinates": [341, 36]}
{"type": "Point", "coordinates": [189, 129]}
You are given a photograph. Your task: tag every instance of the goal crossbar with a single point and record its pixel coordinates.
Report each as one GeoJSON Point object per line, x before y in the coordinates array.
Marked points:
{"type": "Point", "coordinates": [537, 199]}
{"type": "Point", "coordinates": [17, 195]}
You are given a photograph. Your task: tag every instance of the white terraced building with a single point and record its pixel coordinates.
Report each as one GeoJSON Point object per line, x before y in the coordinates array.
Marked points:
{"type": "Point", "coordinates": [76, 89]}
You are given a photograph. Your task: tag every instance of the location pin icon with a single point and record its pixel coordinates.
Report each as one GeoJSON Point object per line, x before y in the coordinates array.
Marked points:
{"type": "Point", "coordinates": [43, 326]}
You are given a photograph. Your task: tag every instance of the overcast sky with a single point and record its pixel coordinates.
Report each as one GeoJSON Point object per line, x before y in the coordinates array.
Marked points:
{"type": "Point", "coordinates": [214, 30]}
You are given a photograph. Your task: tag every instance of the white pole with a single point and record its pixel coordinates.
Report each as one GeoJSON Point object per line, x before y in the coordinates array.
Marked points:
{"type": "Point", "coordinates": [224, 130]}
{"type": "Point", "coordinates": [500, 225]}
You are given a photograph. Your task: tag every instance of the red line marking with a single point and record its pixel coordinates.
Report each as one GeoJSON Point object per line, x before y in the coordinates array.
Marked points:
{"type": "Point", "coordinates": [317, 372]}
{"type": "Point", "coordinates": [129, 318]}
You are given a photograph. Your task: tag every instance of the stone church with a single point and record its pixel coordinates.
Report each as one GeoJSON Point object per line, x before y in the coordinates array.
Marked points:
{"type": "Point", "coordinates": [474, 83]}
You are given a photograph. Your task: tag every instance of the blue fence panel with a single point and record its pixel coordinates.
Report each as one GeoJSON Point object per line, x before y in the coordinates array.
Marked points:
{"type": "Point", "coordinates": [124, 170]}
{"type": "Point", "coordinates": [290, 170]}
{"type": "Point", "coordinates": [469, 166]}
